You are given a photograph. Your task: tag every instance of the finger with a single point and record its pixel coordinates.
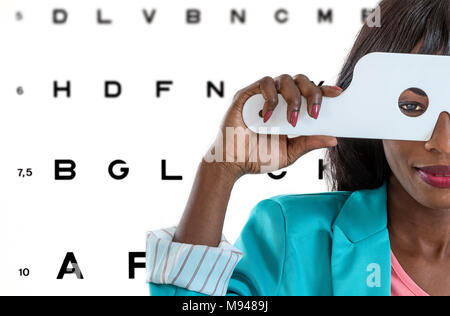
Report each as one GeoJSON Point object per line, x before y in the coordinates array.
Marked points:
{"type": "Point", "coordinates": [331, 91]}
{"type": "Point", "coordinates": [270, 94]}
{"type": "Point", "coordinates": [288, 89]}
{"type": "Point", "coordinates": [244, 94]}
{"type": "Point", "coordinates": [311, 92]}
{"type": "Point", "coordinates": [301, 145]}
{"type": "Point", "coordinates": [265, 87]}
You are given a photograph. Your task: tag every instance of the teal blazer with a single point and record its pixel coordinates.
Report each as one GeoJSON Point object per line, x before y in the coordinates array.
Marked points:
{"type": "Point", "coordinates": [331, 243]}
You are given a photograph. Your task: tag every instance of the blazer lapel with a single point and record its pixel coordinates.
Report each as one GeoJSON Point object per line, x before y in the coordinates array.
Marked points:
{"type": "Point", "coordinates": [360, 256]}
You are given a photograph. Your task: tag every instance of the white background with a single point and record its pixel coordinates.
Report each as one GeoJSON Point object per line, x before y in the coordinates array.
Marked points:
{"type": "Point", "coordinates": [96, 217]}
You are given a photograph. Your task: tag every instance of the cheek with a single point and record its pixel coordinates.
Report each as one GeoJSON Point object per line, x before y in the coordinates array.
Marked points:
{"type": "Point", "coordinates": [392, 151]}
{"type": "Point", "coordinates": [399, 155]}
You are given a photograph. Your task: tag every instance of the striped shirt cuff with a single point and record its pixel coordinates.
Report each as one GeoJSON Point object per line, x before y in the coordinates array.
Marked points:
{"type": "Point", "coordinates": [197, 268]}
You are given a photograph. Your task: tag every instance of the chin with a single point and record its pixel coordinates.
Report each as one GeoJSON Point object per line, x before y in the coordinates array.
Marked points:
{"type": "Point", "coordinates": [438, 199]}
{"type": "Point", "coordinates": [430, 196]}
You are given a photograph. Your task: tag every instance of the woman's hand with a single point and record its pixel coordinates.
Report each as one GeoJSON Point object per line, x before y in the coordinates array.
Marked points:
{"type": "Point", "coordinates": [203, 218]}
{"type": "Point", "coordinates": [286, 150]}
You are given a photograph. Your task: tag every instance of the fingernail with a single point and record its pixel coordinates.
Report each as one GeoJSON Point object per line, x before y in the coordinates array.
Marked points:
{"type": "Point", "coordinates": [332, 144]}
{"type": "Point", "coordinates": [294, 118]}
{"type": "Point", "coordinates": [267, 116]}
{"type": "Point", "coordinates": [315, 111]}
{"type": "Point", "coordinates": [337, 88]}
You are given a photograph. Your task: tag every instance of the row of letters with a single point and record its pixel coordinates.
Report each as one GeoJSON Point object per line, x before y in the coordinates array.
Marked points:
{"type": "Point", "coordinates": [61, 16]}
{"type": "Point", "coordinates": [114, 89]}
{"type": "Point", "coordinates": [65, 169]}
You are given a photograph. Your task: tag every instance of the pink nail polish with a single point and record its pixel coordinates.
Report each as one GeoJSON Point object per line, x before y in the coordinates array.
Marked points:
{"type": "Point", "coordinates": [294, 118]}
{"type": "Point", "coordinates": [315, 111]}
{"type": "Point", "coordinates": [267, 116]}
{"type": "Point", "coordinates": [337, 88]}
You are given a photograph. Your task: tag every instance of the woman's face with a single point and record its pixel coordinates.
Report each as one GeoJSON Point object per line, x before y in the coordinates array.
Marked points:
{"type": "Point", "coordinates": [429, 187]}
{"type": "Point", "coordinates": [410, 161]}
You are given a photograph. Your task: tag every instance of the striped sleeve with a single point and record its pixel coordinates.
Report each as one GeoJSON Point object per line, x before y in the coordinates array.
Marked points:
{"type": "Point", "coordinates": [197, 268]}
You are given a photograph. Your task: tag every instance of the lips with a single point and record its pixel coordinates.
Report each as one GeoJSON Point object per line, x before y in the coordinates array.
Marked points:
{"type": "Point", "coordinates": [436, 176]}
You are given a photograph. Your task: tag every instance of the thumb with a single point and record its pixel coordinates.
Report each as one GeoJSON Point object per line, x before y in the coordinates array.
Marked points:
{"type": "Point", "coordinates": [301, 145]}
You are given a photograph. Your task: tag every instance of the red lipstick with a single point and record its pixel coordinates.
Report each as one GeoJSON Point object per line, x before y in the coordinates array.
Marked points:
{"type": "Point", "coordinates": [436, 176]}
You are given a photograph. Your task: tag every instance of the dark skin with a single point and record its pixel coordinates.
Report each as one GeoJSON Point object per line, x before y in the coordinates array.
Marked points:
{"type": "Point", "coordinates": [418, 214]}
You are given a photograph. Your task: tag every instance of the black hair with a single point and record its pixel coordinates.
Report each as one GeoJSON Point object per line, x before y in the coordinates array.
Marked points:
{"type": "Point", "coordinates": [356, 163]}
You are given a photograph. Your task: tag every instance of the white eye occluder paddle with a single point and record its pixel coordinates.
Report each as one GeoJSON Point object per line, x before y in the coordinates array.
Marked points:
{"type": "Point", "coordinates": [369, 107]}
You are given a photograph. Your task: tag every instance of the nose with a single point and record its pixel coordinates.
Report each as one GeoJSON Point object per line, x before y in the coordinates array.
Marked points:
{"type": "Point", "coordinates": [440, 140]}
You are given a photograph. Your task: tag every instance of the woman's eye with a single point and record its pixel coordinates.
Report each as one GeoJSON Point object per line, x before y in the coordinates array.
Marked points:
{"type": "Point", "coordinates": [411, 107]}
{"type": "Point", "coordinates": [413, 102]}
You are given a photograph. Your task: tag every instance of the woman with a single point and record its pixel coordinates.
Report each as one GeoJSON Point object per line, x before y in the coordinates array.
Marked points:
{"type": "Point", "coordinates": [383, 230]}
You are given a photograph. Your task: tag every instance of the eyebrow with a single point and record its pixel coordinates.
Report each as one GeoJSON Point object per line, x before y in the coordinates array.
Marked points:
{"type": "Point", "coordinates": [418, 91]}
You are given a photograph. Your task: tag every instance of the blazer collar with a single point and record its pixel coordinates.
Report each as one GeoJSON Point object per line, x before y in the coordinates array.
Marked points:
{"type": "Point", "coordinates": [364, 213]}
{"type": "Point", "coordinates": [361, 262]}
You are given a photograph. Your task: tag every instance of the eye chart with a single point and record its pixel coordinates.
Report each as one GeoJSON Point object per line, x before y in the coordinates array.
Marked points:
{"type": "Point", "coordinates": [106, 108]}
